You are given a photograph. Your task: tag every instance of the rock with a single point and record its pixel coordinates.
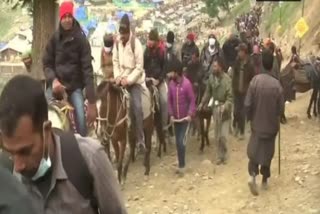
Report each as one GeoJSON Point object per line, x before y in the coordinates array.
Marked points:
{"type": "Point", "coordinates": [297, 179]}
{"type": "Point", "coordinates": [140, 212]}
{"type": "Point", "coordinates": [315, 173]}
{"type": "Point", "coordinates": [136, 198]}
{"type": "Point", "coordinates": [165, 200]}
{"type": "Point", "coordinates": [297, 150]}
{"type": "Point", "coordinates": [191, 188]}
{"type": "Point", "coordinates": [151, 187]}
{"type": "Point", "coordinates": [206, 163]}
{"type": "Point", "coordinates": [205, 177]}
{"type": "Point", "coordinates": [197, 175]}
{"type": "Point", "coordinates": [155, 174]}
{"type": "Point", "coordinates": [127, 205]}
{"type": "Point", "coordinates": [185, 207]}
{"type": "Point", "coordinates": [314, 211]}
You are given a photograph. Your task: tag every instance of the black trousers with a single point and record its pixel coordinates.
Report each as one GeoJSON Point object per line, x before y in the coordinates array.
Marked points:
{"type": "Point", "coordinates": [239, 113]}
{"type": "Point", "coordinates": [253, 170]}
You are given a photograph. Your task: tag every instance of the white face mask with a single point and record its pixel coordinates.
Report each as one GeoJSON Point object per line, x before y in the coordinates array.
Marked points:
{"type": "Point", "coordinates": [107, 49]}
{"type": "Point", "coordinates": [169, 45]}
{"type": "Point", "coordinates": [212, 41]}
{"type": "Point", "coordinates": [45, 164]}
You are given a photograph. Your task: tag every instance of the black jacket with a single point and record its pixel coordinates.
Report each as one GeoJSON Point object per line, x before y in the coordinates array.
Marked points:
{"type": "Point", "coordinates": [187, 52]}
{"type": "Point", "coordinates": [154, 63]}
{"type": "Point", "coordinates": [68, 58]}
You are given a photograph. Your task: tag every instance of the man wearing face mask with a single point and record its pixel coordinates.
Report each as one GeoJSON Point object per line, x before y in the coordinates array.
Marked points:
{"type": "Point", "coordinates": [219, 90]}
{"type": "Point", "coordinates": [190, 58]}
{"type": "Point", "coordinates": [64, 173]}
{"type": "Point", "coordinates": [106, 56]}
{"type": "Point", "coordinates": [209, 54]}
{"type": "Point", "coordinates": [155, 75]}
{"type": "Point", "coordinates": [67, 67]}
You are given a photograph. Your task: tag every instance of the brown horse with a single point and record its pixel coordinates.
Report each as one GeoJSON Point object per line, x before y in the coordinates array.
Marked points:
{"type": "Point", "coordinates": [303, 78]}
{"type": "Point", "coordinates": [114, 127]}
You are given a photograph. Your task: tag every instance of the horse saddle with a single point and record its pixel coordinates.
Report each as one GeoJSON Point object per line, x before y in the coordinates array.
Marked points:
{"type": "Point", "coordinates": [61, 114]}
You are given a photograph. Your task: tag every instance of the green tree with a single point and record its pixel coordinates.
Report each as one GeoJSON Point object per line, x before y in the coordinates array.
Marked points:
{"type": "Point", "coordinates": [213, 8]}
{"type": "Point", "coordinates": [44, 25]}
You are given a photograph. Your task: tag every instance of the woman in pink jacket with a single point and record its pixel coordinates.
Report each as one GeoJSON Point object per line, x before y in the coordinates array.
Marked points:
{"type": "Point", "coordinates": [181, 107]}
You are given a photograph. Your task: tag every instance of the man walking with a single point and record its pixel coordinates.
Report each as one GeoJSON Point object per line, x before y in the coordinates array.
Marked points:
{"type": "Point", "coordinates": [243, 72]}
{"type": "Point", "coordinates": [219, 89]}
{"type": "Point", "coordinates": [67, 67]}
{"type": "Point", "coordinates": [264, 104]}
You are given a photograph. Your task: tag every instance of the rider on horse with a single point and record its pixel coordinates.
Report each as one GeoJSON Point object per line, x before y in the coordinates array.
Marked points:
{"type": "Point", "coordinates": [67, 67]}
{"type": "Point", "coordinates": [128, 72]}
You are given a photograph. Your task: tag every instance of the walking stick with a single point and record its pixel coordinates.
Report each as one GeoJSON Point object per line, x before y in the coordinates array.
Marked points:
{"type": "Point", "coordinates": [279, 153]}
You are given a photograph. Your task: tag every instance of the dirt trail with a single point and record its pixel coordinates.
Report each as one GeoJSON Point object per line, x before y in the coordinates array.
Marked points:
{"type": "Point", "coordinates": [207, 188]}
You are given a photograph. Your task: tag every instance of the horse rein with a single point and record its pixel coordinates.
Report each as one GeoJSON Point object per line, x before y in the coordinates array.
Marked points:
{"type": "Point", "coordinates": [124, 98]}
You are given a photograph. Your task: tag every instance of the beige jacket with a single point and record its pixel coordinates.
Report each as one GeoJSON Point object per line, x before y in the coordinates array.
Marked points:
{"type": "Point", "coordinates": [127, 64]}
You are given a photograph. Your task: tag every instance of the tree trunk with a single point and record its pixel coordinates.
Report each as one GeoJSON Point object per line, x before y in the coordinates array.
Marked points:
{"type": "Point", "coordinates": [44, 22]}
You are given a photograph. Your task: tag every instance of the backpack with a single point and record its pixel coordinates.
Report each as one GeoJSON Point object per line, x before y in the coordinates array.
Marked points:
{"type": "Point", "coordinates": [132, 44]}
{"type": "Point", "coordinates": [69, 145]}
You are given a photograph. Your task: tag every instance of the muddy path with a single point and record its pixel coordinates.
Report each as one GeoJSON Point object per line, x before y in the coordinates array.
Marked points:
{"type": "Point", "coordinates": [207, 188]}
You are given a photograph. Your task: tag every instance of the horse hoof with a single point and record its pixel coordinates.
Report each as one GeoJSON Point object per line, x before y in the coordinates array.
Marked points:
{"type": "Point", "coordinates": [309, 116]}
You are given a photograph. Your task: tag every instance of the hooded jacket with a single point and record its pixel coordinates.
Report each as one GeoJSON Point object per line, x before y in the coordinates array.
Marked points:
{"type": "Point", "coordinates": [68, 58]}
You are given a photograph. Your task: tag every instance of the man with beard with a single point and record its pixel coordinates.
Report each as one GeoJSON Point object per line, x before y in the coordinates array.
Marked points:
{"type": "Point", "coordinates": [243, 72]}
{"type": "Point", "coordinates": [209, 54]}
{"type": "Point", "coordinates": [220, 91]}
{"type": "Point", "coordinates": [190, 58]}
{"type": "Point", "coordinates": [264, 104]}
{"type": "Point", "coordinates": [64, 172]}
{"type": "Point", "coordinates": [67, 67]}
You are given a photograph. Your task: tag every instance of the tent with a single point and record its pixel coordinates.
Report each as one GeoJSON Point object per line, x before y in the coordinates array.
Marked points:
{"type": "Point", "coordinates": [81, 13]}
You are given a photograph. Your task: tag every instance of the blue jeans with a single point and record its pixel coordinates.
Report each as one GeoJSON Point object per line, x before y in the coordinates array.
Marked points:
{"type": "Point", "coordinates": [136, 112]}
{"type": "Point", "coordinates": [77, 101]}
{"type": "Point", "coordinates": [180, 131]}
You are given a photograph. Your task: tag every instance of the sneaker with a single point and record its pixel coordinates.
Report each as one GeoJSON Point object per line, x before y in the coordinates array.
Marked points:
{"type": "Point", "coordinates": [253, 186]}
{"type": "Point", "coordinates": [241, 137]}
{"type": "Point", "coordinates": [180, 172]}
{"type": "Point", "coordinates": [219, 161]}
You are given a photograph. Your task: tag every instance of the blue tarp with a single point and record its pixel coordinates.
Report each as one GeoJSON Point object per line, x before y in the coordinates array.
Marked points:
{"type": "Point", "coordinates": [92, 24]}
{"type": "Point", "coordinates": [111, 27]}
{"type": "Point", "coordinates": [81, 13]}
{"type": "Point", "coordinates": [120, 13]}
{"type": "Point", "coordinates": [2, 45]}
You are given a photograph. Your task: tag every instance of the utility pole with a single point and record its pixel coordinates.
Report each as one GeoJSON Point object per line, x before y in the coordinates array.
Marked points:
{"type": "Point", "coordinates": [302, 14]}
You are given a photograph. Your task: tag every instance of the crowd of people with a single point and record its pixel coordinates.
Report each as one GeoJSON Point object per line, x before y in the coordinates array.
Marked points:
{"type": "Point", "coordinates": [71, 173]}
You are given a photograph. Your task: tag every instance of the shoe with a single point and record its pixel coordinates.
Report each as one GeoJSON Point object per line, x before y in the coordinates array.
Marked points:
{"type": "Point", "coordinates": [241, 137]}
{"type": "Point", "coordinates": [180, 172]}
{"type": "Point", "coordinates": [219, 161]}
{"type": "Point", "coordinates": [253, 186]}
